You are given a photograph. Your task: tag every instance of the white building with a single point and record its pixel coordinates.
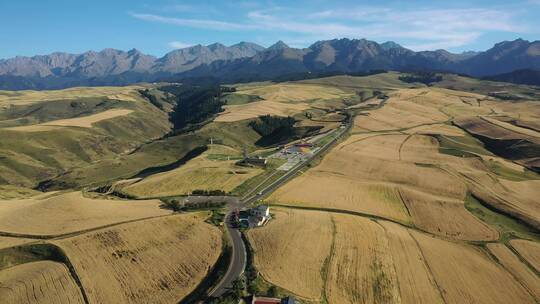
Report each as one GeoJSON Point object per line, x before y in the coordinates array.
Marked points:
{"type": "Point", "coordinates": [262, 211]}
{"type": "Point", "coordinates": [259, 215]}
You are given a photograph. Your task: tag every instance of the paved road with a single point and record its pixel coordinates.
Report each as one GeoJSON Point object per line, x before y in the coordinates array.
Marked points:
{"type": "Point", "coordinates": [237, 263]}
{"type": "Point", "coordinates": [238, 260]}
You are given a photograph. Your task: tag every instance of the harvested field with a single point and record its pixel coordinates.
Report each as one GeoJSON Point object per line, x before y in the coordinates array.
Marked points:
{"type": "Point", "coordinates": [532, 124]}
{"type": "Point", "coordinates": [294, 92]}
{"type": "Point", "coordinates": [528, 250]}
{"type": "Point", "coordinates": [323, 190]}
{"type": "Point", "coordinates": [81, 122]}
{"type": "Point", "coordinates": [258, 108]}
{"type": "Point", "coordinates": [365, 174]}
{"type": "Point", "coordinates": [70, 212]}
{"type": "Point", "coordinates": [153, 261]}
{"type": "Point", "coordinates": [382, 167]}
{"type": "Point", "coordinates": [200, 173]}
{"type": "Point", "coordinates": [524, 131]}
{"type": "Point", "coordinates": [397, 114]}
{"type": "Point", "coordinates": [374, 262]}
{"type": "Point", "coordinates": [25, 97]}
{"type": "Point", "coordinates": [511, 262]}
{"type": "Point", "coordinates": [465, 274]}
{"type": "Point", "coordinates": [383, 146]}
{"type": "Point", "coordinates": [477, 125]}
{"type": "Point", "coordinates": [416, 282]}
{"type": "Point", "coordinates": [446, 217]}
{"type": "Point", "coordinates": [416, 108]}
{"type": "Point", "coordinates": [291, 250]}
{"type": "Point", "coordinates": [285, 99]}
{"type": "Point", "coordinates": [442, 129]}
{"type": "Point", "coordinates": [523, 195]}
{"type": "Point", "coordinates": [388, 80]}
{"type": "Point", "coordinates": [361, 270]}
{"type": "Point", "coordinates": [38, 282]}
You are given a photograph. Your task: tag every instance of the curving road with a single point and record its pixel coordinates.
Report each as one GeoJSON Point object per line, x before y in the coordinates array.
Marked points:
{"type": "Point", "coordinates": [237, 263]}
{"type": "Point", "coordinates": [239, 255]}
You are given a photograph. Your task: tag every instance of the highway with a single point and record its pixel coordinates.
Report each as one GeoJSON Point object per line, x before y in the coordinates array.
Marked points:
{"type": "Point", "coordinates": [239, 254]}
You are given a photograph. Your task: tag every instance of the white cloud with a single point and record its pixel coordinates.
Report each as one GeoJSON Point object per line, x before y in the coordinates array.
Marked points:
{"type": "Point", "coordinates": [179, 45]}
{"type": "Point", "coordinates": [197, 23]}
{"type": "Point", "coordinates": [180, 8]}
{"type": "Point", "coordinates": [431, 29]}
{"type": "Point", "coordinates": [422, 28]}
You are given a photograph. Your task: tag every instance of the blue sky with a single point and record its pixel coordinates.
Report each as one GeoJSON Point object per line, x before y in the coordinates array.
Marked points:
{"type": "Point", "coordinates": [31, 27]}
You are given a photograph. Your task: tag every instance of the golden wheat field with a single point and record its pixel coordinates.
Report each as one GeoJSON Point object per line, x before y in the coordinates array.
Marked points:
{"type": "Point", "coordinates": [416, 282]}
{"type": "Point", "coordinates": [511, 127]}
{"type": "Point", "coordinates": [294, 92]}
{"type": "Point", "coordinates": [467, 274]}
{"type": "Point", "coordinates": [42, 282]}
{"type": "Point", "coordinates": [528, 279]}
{"type": "Point", "coordinates": [259, 108]}
{"type": "Point", "coordinates": [378, 175]}
{"type": "Point", "coordinates": [291, 250]}
{"type": "Point", "coordinates": [429, 185]}
{"type": "Point", "coordinates": [128, 93]}
{"type": "Point", "coordinates": [529, 250]}
{"type": "Point", "coordinates": [200, 173]}
{"type": "Point", "coordinates": [6, 241]}
{"type": "Point", "coordinates": [158, 260]}
{"type": "Point", "coordinates": [338, 192]}
{"type": "Point", "coordinates": [406, 162]}
{"type": "Point", "coordinates": [446, 217]}
{"type": "Point", "coordinates": [361, 269]}
{"type": "Point", "coordinates": [353, 259]}
{"type": "Point", "coordinates": [81, 122]}
{"type": "Point", "coordinates": [70, 212]}
{"type": "Point", "coordinates": [494, 128]}
{"type": "Point", "coordinates": [280, 99]}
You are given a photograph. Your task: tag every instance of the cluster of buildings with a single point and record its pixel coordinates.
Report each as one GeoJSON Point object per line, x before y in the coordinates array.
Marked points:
{"type": "Point", "coordinates": [253, 161]}
{"type": "Point", "coordinates": [254, 217]}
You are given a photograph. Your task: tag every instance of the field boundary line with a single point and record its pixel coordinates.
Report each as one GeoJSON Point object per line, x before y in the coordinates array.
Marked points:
{"type": "Point", "coordinates": [79, 232]}
{"type": "Point", "coordinates": [522, 259]}
{"type": "Point", "coordinates": [432, 276]}
{"type": "Point", "coordinates": [496, 260]}
{"type": "Point", "coordinates": [328, 261]}
{"type": "Point", "coordinates": [507, 129]}
{"type": "Point", "coordinates": [349, 212]}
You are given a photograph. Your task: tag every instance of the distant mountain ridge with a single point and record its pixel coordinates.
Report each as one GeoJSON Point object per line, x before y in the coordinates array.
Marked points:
{"type": "Point", "coordinates": [248, 61]}
{"type": "Point", "coordinates": [524, 76]}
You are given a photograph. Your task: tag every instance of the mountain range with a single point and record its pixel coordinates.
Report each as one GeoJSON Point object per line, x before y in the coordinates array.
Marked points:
{"type": "Point", "coordinates": [248, 61]}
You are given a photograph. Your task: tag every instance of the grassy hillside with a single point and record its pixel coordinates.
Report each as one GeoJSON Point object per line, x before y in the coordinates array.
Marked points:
{"type": "Point", "coordinates": [43, 135]}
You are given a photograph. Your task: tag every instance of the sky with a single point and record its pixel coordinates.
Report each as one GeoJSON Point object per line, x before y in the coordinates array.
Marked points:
{"type": "Point", "coordinates": [37, 27]}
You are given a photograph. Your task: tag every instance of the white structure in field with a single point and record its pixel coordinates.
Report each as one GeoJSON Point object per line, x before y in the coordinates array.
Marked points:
{"type": "Point", "coordinates": [259, 215]}
{"type": "Point", "coordinates": [262, 210]}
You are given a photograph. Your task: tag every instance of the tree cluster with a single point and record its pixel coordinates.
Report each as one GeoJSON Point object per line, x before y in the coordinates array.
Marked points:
{"type": "Point", "coordinates": [425, 77]}
{"type": "Point", "coordinates": [178, 205]}
{"type": "Point", "coordinates": [268, 125]}
{"type": "Point", "coordinates": [208, 192]}
{"type": "Point", "coordinates": [194, 104]}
